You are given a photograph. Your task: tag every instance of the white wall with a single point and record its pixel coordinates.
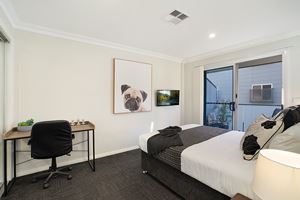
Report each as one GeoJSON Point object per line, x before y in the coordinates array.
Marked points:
{"type": "Point", "coordinates": [64, 79]}
{"type": "Point", "coordinates": [291, 70]}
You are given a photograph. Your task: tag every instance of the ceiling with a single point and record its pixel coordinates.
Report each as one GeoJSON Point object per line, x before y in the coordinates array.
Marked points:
{"type": "Point", "coordinates": [140, 23]}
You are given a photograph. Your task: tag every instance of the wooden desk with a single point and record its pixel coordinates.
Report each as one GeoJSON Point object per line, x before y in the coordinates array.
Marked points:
{"type": "Point", "coordinates": [14, 135]}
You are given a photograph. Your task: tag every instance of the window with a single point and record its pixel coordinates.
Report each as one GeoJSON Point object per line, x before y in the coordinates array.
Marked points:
{"type": "Point", "coordinates": [261, 92]}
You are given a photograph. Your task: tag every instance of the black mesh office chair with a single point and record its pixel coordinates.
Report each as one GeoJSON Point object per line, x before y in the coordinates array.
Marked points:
{"type": "Point", "coordinates": [51, 139]}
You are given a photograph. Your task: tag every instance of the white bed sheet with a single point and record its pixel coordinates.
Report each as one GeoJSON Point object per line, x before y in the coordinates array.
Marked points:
{"type": "Point", "coordinates": [218, 163]}
{"type": "Point", "coordinates": [144, 138]}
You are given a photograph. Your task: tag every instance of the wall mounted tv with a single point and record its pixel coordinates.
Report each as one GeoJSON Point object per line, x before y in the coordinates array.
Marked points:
{"type": "Point", "coordinates": [167, 97]}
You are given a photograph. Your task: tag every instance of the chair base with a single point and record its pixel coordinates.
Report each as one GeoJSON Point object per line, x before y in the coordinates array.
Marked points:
{"type": "Point", "coordinates": [53, 172]}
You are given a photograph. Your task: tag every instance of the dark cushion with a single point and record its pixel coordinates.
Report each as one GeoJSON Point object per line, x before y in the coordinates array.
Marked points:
{"type": "Point", "coordinates": [291, 116]}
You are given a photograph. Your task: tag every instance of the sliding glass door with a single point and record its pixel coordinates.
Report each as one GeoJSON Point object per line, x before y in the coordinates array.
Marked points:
{"type": "Point", "coordinates": [234, 96]}
{"type": "Point", "coordinates": [219, 105]}
{"type": "Point", "coordinates": [260, 92]}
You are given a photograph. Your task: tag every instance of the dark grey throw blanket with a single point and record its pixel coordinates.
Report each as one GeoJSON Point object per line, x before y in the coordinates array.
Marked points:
{"type": "Point", "coordinates": [167, 137]}
{"type": "Point", "coordinates": [189, 137]}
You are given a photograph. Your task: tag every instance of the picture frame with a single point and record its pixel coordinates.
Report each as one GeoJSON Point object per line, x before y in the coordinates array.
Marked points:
{"type": "Point", "coordinates": [132, 85]}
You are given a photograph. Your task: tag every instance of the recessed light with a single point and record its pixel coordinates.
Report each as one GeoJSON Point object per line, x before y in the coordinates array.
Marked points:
{"type": "Point", "coordinates": [212, 35]}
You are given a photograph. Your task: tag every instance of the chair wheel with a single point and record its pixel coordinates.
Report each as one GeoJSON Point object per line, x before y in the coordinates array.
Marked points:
{"type": "Point", "coordinates": [34, 180]}
{"type": "Point", "coordinates": [45, 185]}
{"type": "Point", "coordinates": [69, 177]}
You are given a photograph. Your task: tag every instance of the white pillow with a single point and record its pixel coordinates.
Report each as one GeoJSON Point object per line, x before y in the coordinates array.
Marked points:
{"type": "Point", "coordinates": [253, 128]}
{"type": "Point", "coordinates": [289, 140]}
{"type": "Point", "coordinates": [258, 137]}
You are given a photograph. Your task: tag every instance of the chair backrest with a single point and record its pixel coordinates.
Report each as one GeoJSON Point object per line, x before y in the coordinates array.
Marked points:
{"type": "Point", "coordinates": [51, 139]}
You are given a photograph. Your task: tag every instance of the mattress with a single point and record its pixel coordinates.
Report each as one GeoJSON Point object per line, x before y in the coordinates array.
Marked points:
{"type": "Point", "coordinates": [217, 162]}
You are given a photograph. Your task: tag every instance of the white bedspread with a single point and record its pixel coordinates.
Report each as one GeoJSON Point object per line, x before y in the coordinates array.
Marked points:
{"type": "Point", "coordinates": [218, 163]}
{"type": "Point", "coordinates": [144, 138]}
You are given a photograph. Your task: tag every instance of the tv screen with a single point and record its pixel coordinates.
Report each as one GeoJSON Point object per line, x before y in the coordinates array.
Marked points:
{"type": "Point", "coordinates": [167, 97]}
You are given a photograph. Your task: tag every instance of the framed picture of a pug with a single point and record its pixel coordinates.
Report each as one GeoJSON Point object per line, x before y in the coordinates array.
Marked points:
{"type": "Point", "coordinates": [132, 86]}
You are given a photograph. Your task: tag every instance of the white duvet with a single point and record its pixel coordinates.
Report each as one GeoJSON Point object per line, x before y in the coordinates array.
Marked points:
{"type": "Point", "coordinates": [217, 162]}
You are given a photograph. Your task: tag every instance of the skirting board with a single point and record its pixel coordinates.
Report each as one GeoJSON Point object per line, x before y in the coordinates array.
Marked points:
{"type": "Point", "coordinates": [78, 160]}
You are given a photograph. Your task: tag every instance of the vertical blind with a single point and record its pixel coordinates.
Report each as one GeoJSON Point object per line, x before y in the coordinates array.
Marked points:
{"type": "Point", "coordinates": [3, 40]}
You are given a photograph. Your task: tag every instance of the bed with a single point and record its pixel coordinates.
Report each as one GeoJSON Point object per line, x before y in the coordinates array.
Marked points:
{"type": "Point", "coordinates": [212, 169]}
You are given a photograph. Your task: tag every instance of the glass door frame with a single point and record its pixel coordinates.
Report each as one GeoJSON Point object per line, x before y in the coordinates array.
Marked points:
{"type": "Point", "coordinates": [235, 95]}
{"type": "Point", "coordinates": [233, 103]}
{"type": "Point", "coordinates": [235, 85]}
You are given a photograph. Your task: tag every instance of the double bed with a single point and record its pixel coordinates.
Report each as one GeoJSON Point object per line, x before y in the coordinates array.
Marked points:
{"type": "Point", "coordinates": [208, 166]}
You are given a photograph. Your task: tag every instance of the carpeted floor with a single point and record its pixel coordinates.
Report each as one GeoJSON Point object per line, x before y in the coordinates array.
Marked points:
{"type": "Point", "coordinates": [116, 177]}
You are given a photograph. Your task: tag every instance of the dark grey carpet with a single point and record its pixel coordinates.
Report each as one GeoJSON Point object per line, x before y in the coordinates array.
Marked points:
{"type": "Point", "coordinates": [116, 177]}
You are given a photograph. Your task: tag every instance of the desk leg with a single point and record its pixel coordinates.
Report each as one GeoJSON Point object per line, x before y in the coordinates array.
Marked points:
{"type": "Point", "coordinates": [88, 145]}
{"type": "Point", "coordinates": [94, 165]}
{"type": "Point", "coordinates": [7, 186]}
{"type": "Point", "coordinates": [15, 158]}
{"type": "Point", "coordinates": [5, 167]}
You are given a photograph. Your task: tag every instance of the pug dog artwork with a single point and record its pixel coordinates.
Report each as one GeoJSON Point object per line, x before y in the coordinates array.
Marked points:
{"type": "Point", "coordinates": [132, 86]}
{"type": "Point", "coordinates": [133, 98]}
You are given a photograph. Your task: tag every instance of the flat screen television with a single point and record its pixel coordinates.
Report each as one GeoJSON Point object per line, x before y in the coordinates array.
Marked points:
{"type": "Point", "coordinates": [167, 97]}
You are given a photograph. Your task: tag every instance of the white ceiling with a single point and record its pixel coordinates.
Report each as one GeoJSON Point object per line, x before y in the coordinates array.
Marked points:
{"type": "Point", "coordinates": [140, 24]}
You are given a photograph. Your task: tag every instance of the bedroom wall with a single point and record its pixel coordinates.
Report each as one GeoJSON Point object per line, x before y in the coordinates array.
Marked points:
{"type": "Point", "coordinates": [193, 73]}
{"type": "Point", "coordinates": [64, 79]}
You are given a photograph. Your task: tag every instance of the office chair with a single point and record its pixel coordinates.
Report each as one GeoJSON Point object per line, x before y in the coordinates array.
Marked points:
{"type": "Point", "coordinates": [51, 139]}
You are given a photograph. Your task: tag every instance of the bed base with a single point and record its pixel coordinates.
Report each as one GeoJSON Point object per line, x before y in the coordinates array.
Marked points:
{"type": "Point", "coordinates": [180, 183]}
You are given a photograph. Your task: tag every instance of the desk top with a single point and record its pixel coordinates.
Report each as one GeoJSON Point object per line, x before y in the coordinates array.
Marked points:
{"type": "Point", "coordinates": [15, 134]}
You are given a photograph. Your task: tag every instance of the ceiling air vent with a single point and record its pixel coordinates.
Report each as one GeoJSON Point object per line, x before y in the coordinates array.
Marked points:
{"type": "Point", "coordinates": [176, 17]}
